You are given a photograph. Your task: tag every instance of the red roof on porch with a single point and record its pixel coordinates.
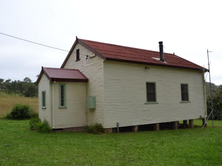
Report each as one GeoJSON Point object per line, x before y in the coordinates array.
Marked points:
{"type": "Point", "coordinates": [63, 75]}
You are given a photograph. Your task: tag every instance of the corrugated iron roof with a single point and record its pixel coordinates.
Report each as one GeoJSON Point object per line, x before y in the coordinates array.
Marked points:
{"type": "Point", "coordinates": [66, 75]}
{"type": "Point", "coordinates": [129, 54]}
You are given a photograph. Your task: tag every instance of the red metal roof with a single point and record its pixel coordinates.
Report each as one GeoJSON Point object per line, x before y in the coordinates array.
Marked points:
{"type": "Point", "coordinates": [66, 75]}
{"type": "Point", "coordinates": [135, 55]}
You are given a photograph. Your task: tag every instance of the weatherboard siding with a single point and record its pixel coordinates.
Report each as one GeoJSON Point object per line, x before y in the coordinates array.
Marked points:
{"type": "Point", "coordinates": [92, 68]}
{"type": "Point", "coordinates": [125, 94]}
{"type": "Point", "coordinates": [45, 113]}
{"type": "Point", "coordinates": [74, 113]}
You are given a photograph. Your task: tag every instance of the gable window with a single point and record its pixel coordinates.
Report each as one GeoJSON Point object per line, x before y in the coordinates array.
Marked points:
{"type": "Point", "coordinates": [184, 92]}
{"type": "Point", "coordinates": [43, 99]}
{"type": "Point", "coordinates": [77, 55]}
{"type": "Point", "coordinates": [62, 95]}
{"type": "Point", "coordinates": [151, 92]}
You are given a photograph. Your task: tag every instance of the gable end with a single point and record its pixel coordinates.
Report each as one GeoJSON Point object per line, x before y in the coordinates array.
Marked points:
{"type": "Point", "coordinates": [84, 45]}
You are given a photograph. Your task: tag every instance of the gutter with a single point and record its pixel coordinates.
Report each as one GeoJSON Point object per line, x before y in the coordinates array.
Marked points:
{"type": "Point", "coordinates": [154, 64]}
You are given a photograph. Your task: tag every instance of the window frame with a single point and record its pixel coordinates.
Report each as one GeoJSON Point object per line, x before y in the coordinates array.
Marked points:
{"type": "Point", "coordinates": [186, 98]}
{"type": "Point", "coordinates": [152, 92]}
{"type": "Point", "coordinates": [62, 96]}
{"type": "Point", "coordinates": [77, 55]}
{"type": "Point", "coordinates": [43, 99]}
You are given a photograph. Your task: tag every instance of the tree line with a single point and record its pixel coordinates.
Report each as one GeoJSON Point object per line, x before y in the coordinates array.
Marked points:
{"type": "Point", "coordinates": [24, 88]}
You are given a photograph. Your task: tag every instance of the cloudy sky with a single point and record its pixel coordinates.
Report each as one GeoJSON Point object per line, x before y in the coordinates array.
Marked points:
{"type": "Point", "coordinates": [187, 28]}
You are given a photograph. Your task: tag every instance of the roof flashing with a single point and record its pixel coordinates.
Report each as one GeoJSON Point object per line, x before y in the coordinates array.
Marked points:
{"type": "Point", "coordinates": [158, 59]}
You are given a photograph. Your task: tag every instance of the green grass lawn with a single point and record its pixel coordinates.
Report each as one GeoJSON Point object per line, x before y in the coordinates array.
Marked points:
{"type": "Point", "coordinates": [20, 146]}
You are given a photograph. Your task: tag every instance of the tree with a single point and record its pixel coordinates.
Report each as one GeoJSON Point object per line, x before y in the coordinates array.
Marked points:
{"type": "Point", "coordinates": [20, 87]}
{"type": "Point", "coordinates": [216, 102]}
{"type": "Point", "coordinates": [27, 80]}
{"type": "Point", "coordinates": [1, 83]}
{"type": "Point", "coordinates": [8, 86]}
{"type": "Point", "coordinates": [31, 91]}
{"type": "Point", "coordinates": [23, 88]}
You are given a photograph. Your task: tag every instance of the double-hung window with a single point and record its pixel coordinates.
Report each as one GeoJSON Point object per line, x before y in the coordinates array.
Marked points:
{"type": "Point", "coordinates": [151, 92]}
{"type": "Point", "coordinates": [62, 95]}
{"type": "Point", "coordinates": [184, 92]}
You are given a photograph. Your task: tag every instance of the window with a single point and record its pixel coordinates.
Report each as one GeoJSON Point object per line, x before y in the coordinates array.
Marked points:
{"type": "Point", "coordinates": [77, 55]}
{"type": "Point", "coordinates": [43, 99]}
{"type": "Point", "coordinates": [184, 92]}
{"type": "Point", "coordinates": [62, 95]}
{"type": "Point", "coordinates": [151, 92]}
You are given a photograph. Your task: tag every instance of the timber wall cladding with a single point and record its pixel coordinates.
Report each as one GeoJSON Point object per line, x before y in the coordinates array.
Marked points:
{"type": "Point", "coordinates": [92, 68]}
{"type": "Point", "coordinates": [75, 112]}
{"type": "Point", "coordinates": [125, 94]}
{"type": "Point", "coordinates": [44, 85]}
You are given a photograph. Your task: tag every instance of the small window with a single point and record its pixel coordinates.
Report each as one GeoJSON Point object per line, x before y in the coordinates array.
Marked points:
{"type": "Point", "coordinates": [62, 95]}
{"type": "Point", "coordinates": [77, 55]}
{"type": "Point", "coordinates": [43, 99]}
{"type": "Point", "coordinates": [151, 92]}
{"type": "Point", "coordinates": [184, 92]}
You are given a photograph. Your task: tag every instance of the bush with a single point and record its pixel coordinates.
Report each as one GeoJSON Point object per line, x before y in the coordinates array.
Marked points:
{"type": "Point", "coordinates": [20, 111]}
{"type": "Point", "coordinates": [8, 116]}
{"type": "Point", "coordinates": [34, 115]}
{"type": "Point", "coordinates": [96, 128]}
{"type": "Point", "coordinates": [43, 127]}
{"type": "Point", "coordinates": [33, 123]}
{"type": "Point", "coordinates": [36, 124]}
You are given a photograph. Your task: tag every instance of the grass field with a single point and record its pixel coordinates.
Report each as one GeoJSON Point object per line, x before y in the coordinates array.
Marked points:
{"type": "Point", "coordinates": [20, 146]}
{"type": "Point", "coordinates": [8, 101]}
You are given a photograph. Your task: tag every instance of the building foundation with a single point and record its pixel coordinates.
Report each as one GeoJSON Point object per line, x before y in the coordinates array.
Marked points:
{"type": "Point", "coordinates": [156, 127]}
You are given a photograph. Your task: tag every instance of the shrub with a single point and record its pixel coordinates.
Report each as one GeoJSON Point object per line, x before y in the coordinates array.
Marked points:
{"type": "Point", "coordinates": [36, 124]}
{"type": "Point", "coordinates": [34, 115]}
{"type": "Point", "coordinates": [8, 116]}
{"type": "Point", "coordinates": [43, 127]}
{"type": "Point", "coordinates": [20, 111]}
{"type": "Point", "coordinates": [96, 128]}
{"type": "Point", "coordinates": [33, 123]}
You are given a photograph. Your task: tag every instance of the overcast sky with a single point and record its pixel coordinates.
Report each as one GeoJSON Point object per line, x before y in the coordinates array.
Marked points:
{"type": "Point", "coordinates": [187, 28]}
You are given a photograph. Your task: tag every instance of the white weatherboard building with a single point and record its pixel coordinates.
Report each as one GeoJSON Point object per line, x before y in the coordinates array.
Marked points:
{"type": "Point", "coordinates": [111, 84]}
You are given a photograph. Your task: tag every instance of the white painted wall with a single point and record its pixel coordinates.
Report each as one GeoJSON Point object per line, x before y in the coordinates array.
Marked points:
{"type": "Point", "coordinates": [92, 68]}
{"type": "Point", "coordinates": [120, 91]}
{"type": "Point", "coordinates": [45, 113]}
{"type": "Point", "coordinates": [74, 114]}
{"type": "Point", "coordinates": [125, 94]}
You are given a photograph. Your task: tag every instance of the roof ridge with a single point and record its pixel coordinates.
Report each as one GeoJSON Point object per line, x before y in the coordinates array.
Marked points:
{"type": "Point", "coordinates": [116, 45]}
{"type": "Point", "coordinates": [60, 68]}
